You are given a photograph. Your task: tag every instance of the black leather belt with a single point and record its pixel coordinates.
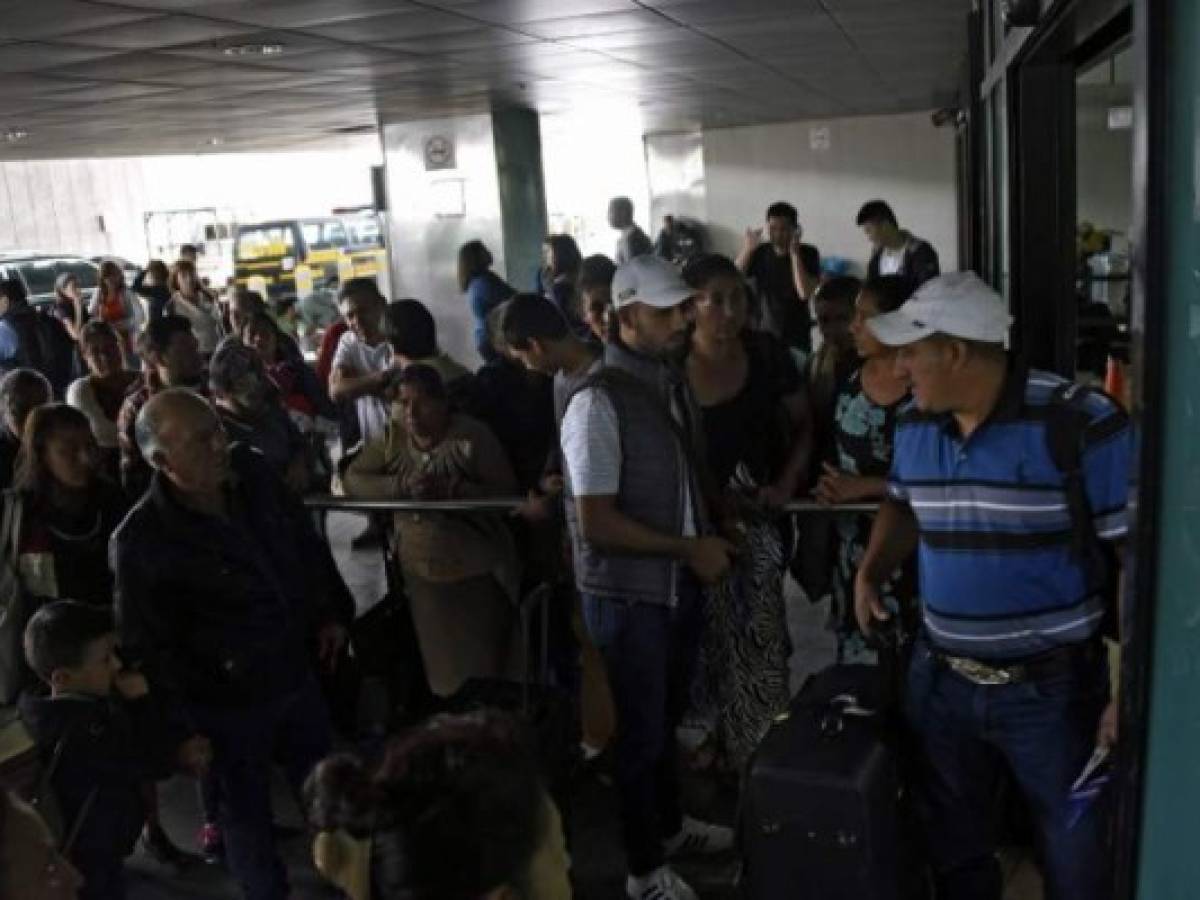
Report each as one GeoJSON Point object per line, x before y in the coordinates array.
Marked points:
{"type": "Point", "coordinates": [1052, 663]}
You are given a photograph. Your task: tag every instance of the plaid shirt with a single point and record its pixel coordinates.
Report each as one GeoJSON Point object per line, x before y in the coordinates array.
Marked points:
{"type": "Point", "coordinates": [135, 471]}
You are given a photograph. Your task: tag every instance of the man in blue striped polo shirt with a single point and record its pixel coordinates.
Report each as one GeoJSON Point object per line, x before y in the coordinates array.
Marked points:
{"type": "Point", "coordinates": [1010, 669]}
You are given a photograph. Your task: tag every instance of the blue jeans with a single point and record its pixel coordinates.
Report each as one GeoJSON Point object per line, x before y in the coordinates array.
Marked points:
{"type": "Point", "coordinates": [247, 742]}
{"type": "Point", "coordinates": [1044, 731]}
{"type": "Point", "coordinates": [650, 654]}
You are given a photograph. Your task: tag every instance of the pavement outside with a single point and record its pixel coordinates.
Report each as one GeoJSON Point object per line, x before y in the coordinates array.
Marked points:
{"type": "Point", "coordinates": [594, 835]}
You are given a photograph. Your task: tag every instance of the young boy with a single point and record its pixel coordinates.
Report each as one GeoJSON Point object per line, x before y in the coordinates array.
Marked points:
{"type": "Point", "coordinates": [106, 747]}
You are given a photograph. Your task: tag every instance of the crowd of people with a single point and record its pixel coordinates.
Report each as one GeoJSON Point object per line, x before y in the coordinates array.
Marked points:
{"type": "Point", "coordinates": [172, 607]}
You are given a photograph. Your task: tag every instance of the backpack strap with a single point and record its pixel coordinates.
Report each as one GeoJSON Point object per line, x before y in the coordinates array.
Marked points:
{"type": "Point", "coordinates": [38, 800]}
{"type": "Point", "coordinates": [1065, 429]}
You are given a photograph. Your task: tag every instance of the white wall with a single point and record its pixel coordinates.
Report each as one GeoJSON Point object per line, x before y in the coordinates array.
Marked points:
{"type": "Point", "coordinates": [902, 159]}
{"type": "Point", "coordinates": [1105, 175]}
{"type": "Point", "coordinates": [56, 205]}
{"type": "Point", "coordinates": [433, 212]}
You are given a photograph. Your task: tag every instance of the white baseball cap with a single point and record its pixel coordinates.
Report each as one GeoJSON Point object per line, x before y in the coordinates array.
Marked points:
{"type": "Point", "coordinates": [651, 280]}
{"type": "Point", "coordinates": [958, 304]}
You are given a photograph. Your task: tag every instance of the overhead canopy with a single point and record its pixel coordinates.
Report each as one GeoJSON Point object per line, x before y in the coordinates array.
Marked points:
{"type": "Point", "coordinates": [133, 77]}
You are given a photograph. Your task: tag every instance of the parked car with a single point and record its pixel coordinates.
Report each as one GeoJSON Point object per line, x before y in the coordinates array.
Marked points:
{"type": "Point", "coordinates": [39, 271]}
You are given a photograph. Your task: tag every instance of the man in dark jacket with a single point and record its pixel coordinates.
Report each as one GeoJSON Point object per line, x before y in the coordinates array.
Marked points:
{"type": "Point", "coordinates": [225, 593]}
{"type": "Point", "coordinates": [894, 250]}
{"type": "Point", "coordinates": [31, 340]}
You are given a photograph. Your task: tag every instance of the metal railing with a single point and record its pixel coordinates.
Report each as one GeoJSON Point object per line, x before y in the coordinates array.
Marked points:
{"type": "Point", "coordinates": [536, 599]}
{"type": "Point", "coordinates": [510, 504]}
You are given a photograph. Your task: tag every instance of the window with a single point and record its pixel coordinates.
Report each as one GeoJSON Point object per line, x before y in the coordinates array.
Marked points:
{"type": "Point", "coordinates": [85, 273]}
{"type": "Point", "coordinates": [266, 242]}
{"type": "Point", "coordinates": [39, 275]}
{"type": "Point", "coordinates": [324, 235]}
{"type": "Point", "coordinates": [365, 233]}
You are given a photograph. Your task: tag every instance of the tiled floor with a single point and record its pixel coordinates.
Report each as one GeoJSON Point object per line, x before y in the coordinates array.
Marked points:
{"type": "Point", "coordinates": [597, 856]}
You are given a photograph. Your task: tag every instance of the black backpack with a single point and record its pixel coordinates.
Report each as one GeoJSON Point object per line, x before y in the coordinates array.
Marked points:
{"type": "Point", "coordinates": [1065, 432]}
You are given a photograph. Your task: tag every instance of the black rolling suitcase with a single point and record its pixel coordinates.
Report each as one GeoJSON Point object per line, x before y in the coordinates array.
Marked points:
{"type": "Point", "coordinates": [820, 814]}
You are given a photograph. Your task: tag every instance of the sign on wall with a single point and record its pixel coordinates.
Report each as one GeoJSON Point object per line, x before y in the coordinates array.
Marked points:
{"type": "Point", "coordinates": [439, 153]}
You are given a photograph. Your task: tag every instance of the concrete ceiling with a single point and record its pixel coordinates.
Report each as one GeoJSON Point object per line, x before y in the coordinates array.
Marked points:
{"type": "Point", "coordinates": [131, 77]}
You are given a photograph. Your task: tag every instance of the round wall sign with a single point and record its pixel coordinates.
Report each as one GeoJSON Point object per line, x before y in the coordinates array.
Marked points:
{"type": "Point", "coordinates": [439, 152]}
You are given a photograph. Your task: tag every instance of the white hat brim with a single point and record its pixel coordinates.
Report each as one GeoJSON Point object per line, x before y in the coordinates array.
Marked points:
{"type": "Point", "coordinates": [898, 329]}
{"type": "Point", "coordinates": [665, 299]}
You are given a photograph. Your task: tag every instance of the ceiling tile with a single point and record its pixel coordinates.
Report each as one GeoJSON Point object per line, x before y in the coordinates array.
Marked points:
{"type": "Point", "coordinates": [586, 26]}
{"type": "Point", "coordinates": [35, 56]}
{"type": "Point", "coordinates": [40, 19]}
{"type": "Point", "coordinates": [144, 67]}
{"type": "Point", "coordinates": [235, 76]}
{"type": "Point", "coordinates": [702, 13]}
{"type": "Point", "coordinates": [293, 44]}
{"type": "Point", "coordinates": [300, 13]}
{"type": "Point", "coordinates": [517, 12]}
{"type": "Point", "coordinates": [643, 37]}
{"type": "Point", "coordinates": [97, 93]}
{"type": "Point", "coordinates": [163, 31]}
{"type": "Point", "coordinates": [460, 40]}
{"type": "Point", "coordinates": [396, 27]}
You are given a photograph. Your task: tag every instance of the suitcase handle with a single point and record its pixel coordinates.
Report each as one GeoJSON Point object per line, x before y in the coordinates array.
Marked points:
{"type": "Point", "coordinates": [833, 719]}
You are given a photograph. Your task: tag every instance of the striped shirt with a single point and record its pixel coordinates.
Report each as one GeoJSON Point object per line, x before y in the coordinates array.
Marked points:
{"type": "Point", "coordinates": [998, 579]}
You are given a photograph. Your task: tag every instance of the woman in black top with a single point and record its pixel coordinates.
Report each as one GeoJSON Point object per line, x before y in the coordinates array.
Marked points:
{"type": "Point", "coordinates": [558, 279]}
{"type": "Point", "coordinates": [152, 285]}
{"type": "Point", "coordinates": [68, 510]}
{"type": "Point", "coordinates": [66, 513]}
{"type": "Point", "coordinates": [755, 423]}
{"type": "Point", "coordinates": [867, 407]}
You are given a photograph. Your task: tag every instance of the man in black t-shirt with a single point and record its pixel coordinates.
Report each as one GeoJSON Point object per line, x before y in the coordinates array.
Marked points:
{"type": "Point", "coordinates": [786, 273]}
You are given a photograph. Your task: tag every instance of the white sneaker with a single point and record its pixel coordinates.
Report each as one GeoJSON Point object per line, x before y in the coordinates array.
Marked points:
{"type": "Point", "coordinates": [661, 884]}
{"type": "Point", "coordinates": [698, 838]}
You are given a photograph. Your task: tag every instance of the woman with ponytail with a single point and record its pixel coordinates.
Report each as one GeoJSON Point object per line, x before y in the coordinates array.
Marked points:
{"type": "Point", "coordinates": [456, 810]}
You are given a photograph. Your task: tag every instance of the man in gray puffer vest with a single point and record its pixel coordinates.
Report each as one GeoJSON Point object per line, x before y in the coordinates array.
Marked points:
{"type": "Point", "coordinates": [638, 526]}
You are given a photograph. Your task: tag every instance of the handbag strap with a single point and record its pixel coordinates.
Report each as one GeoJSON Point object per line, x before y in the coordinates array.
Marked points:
{"type": "Point", "coordinates": [10, 532]}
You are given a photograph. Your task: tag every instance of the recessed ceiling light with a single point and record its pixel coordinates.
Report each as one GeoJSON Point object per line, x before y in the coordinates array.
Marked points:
{"type": "Point", "coordinates": [15, 134]}
{"type": "Point", "coordinates": [253, 50]}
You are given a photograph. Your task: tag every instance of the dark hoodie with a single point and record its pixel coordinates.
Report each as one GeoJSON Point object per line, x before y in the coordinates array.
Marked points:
{"type": "Point", "coordinates": [109, 746]}
{"type": "Point", "coordinates": [157, 295]}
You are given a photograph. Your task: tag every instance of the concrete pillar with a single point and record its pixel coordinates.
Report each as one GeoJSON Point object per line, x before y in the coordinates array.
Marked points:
{"type": "Point", "coordinates": [518, 140]}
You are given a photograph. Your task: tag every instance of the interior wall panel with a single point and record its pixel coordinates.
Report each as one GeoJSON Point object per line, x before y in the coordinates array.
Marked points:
{"type": "Point", "coordinates": [828, 169]}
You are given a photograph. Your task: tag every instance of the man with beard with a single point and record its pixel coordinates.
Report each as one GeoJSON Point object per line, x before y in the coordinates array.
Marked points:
{"type": "Point", "coordinates": [642, 548]}
{"type": "Point", "coordinates": [171, 358]}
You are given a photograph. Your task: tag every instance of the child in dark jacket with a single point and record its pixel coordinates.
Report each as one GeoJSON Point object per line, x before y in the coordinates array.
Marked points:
{"type": "Point", "coordinates": [106, 746]}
